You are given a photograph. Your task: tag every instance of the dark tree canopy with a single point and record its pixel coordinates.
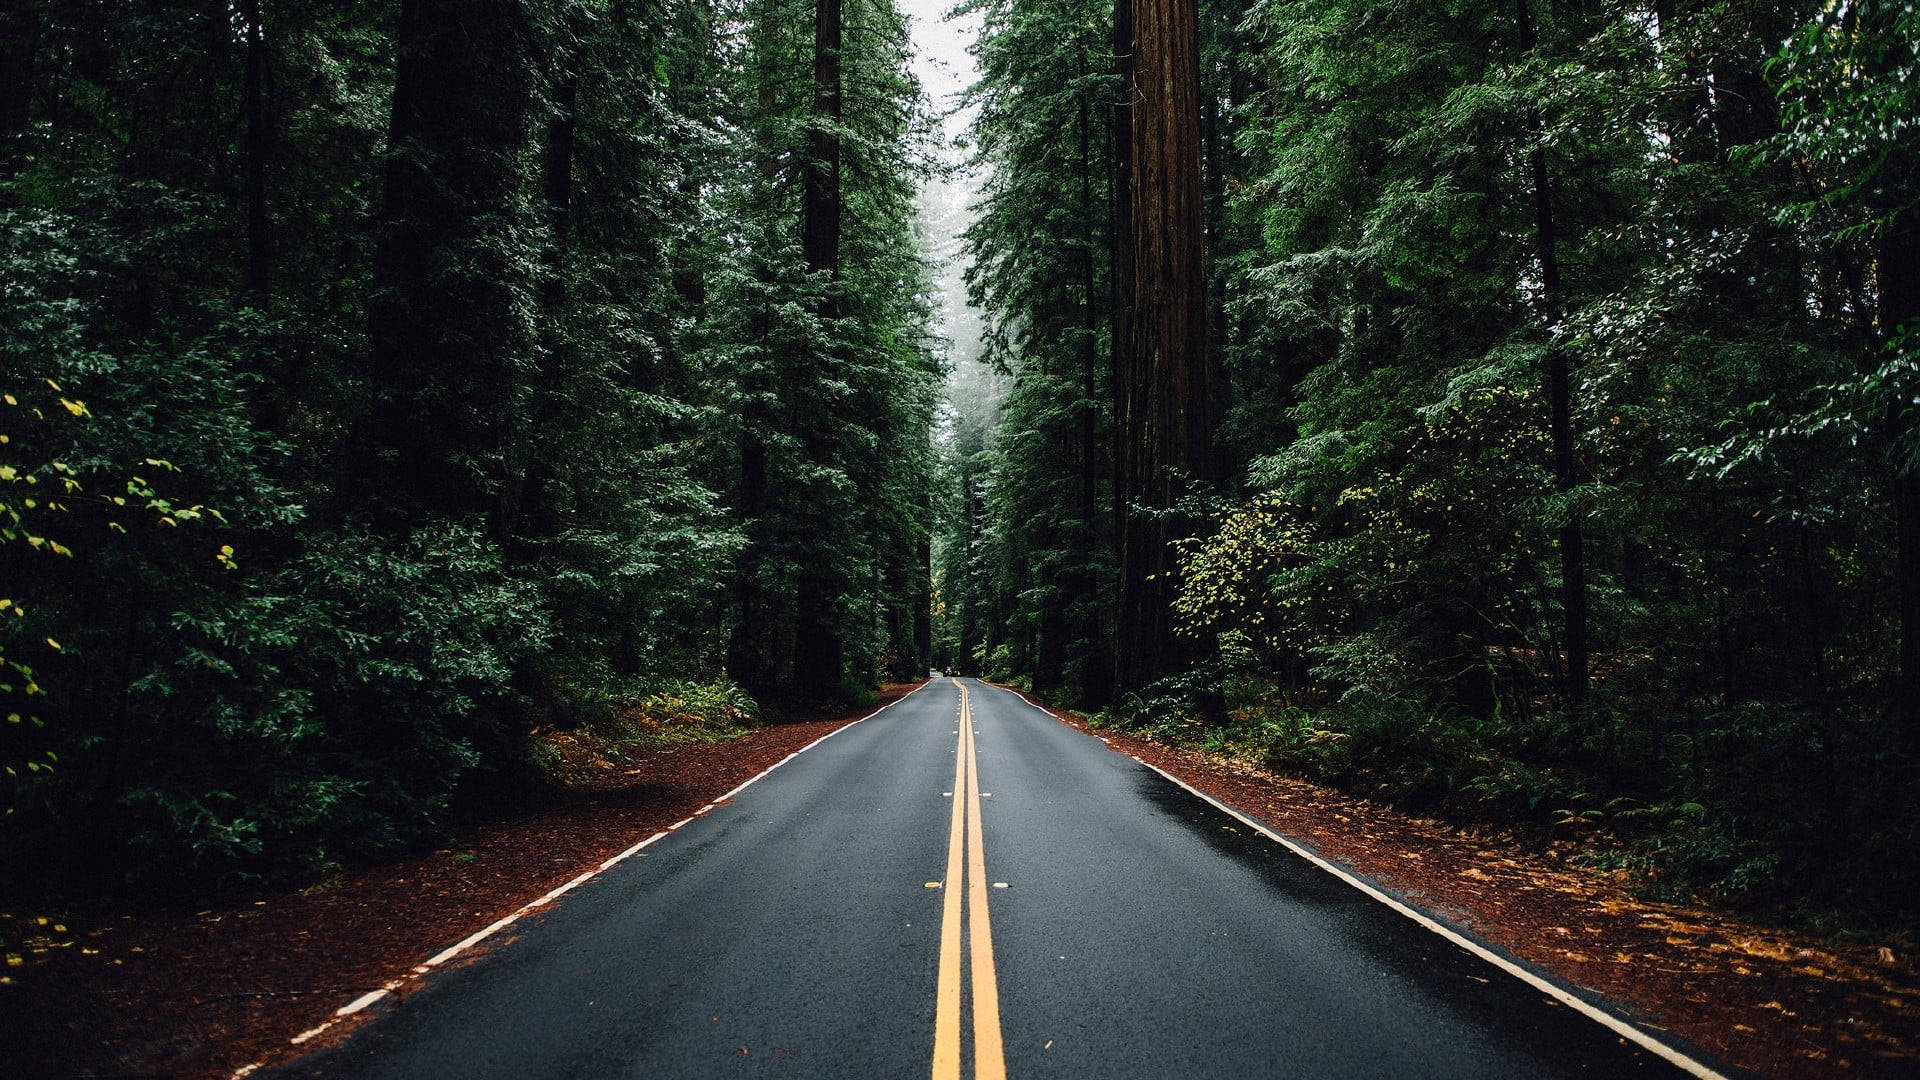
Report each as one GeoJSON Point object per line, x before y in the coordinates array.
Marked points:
{"type": "Point", "coordinates": [382, 381]}
{"type": "Point", "coordinates": [1511, 410]}
{"type": "Point", "coordinates": [1506, 407]}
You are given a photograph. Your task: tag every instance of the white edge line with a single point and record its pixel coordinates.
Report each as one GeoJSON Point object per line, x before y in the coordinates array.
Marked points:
{"type": "Point", "coordinates": [362, 1002]}
{"type": "Point", "coordinates": [565, 889]}
{"type": "Point", "coordinates": [1559, 993]}
{"type": "Point", "coordinates": [1621, 1027]}
{"type": "Point", "coordinates": [630, 852]}
{"type": "Point", "coordinates": [763, 773]}
{"type": "Point", "coordinates": [368, 999]}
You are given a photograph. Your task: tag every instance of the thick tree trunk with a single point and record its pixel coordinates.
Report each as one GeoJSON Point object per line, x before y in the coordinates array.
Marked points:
{"type": "Point", "coordinates": [1090, 464]}
{"type": "Point", "coordinates": [750, 649]}
{"type": "Point", "coordinates": [1096, 665]}
{"type": "Point", "coordinates": [819, 652]}
{"type": "Point", "coordinates": [1898, 277]}
{"type": "Point", "coordinates": [527, 511]}
{"type": "Point", "coordinates": [1906, 694]}
{"type": "Point", "coordinates": [449, 333]}
{"type": "Point", "coordinates": [923, 608]}
{"type": "Point", "coordinates": [1167, 379]}
{"type": "Point", "coordinates": [1120, 189]}
{"type": "Point", "coordinates": [971, 512]}
{"type": "Point", "coordinates": [820, 198]}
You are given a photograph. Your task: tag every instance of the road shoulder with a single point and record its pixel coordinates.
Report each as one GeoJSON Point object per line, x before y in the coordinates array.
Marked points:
{"type": "Point", "coordinates": [199, 995]}
{"type": "Point", "coordinates": [1779, 1004]}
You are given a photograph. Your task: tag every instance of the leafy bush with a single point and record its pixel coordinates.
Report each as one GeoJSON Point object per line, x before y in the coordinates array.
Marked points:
{"type": "Point", "coordinates": [288, 736]}
{"type": "Point", "coordinates": [670, 713]}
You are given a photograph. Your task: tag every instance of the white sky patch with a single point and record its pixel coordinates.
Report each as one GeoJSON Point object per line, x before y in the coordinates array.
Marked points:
{"type": "Point", "coordinates": [945, 69]}
{"type": "Point", "coordinates": [940, 57]}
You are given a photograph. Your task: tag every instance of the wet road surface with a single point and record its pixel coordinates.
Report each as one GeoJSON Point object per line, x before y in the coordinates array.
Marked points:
{"type": "Point", "coordinates": [921, 897]}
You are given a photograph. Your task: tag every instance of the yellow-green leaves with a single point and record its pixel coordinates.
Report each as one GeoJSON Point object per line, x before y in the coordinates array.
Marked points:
{"type": "Point", "coordinates": [36, 516]}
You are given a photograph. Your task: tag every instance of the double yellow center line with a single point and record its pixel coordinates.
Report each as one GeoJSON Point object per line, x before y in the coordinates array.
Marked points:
{"type": "Point", "coordinates": [967, 873]}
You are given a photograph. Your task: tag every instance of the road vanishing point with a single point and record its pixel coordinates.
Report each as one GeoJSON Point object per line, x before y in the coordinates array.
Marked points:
{"type": "Point", "coordinates": [962, 886]}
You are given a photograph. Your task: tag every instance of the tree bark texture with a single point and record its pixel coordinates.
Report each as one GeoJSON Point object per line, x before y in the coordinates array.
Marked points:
{"type": "Point", "coordinates": [1167, 378]}
{"type": "Point", "coordinates": [1120, 188]}
{"type": "Point", "coordinates": [819, 651]}
{"type": "Point", "coordinates": [1090, 464]}
{"type": "Point", "coordinates": [923, 607]}
{"type": "Point", "coordinates": [820, 196]}
{"type": "Point", "coordinates": [1898, 276]}
{"type": "Point", "coordinates": [1097, 672]}
{"type": "Point", "coordinates": [449, 326]}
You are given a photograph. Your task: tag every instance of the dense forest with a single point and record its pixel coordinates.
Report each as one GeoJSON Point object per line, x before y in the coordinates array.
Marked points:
{"type": "Point", "coordinates": [1500, 408]}
{"type": "Point", "coordinates": [387, 382]}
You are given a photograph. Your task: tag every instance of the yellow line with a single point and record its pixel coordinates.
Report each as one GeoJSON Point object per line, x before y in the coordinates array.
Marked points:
{"type": "Point", "coordinates": [967, 874]}
{"type": "Point", "coordinates": [989, 1060]}
{"type": "Point", "coordinates": [946, 1017]}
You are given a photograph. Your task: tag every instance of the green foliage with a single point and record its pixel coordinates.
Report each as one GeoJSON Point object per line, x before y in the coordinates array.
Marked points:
{"type": "Point", "coordinates": [1034, 588]}
{"type": "Point", "coordinates": [830, 376]}
{"type": "Point", "coordinates": [627, 720]}
{"type": "Point", "coordinates": [1380, 602]}
{"type": "Point", "coordinates": [316, 523]}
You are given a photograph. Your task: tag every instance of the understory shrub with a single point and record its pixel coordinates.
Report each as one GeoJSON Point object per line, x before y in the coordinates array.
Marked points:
{"type": "Point", "coordinates": [624, 720]}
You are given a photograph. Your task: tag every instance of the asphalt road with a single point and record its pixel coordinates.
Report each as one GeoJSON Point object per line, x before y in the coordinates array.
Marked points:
{"type": "Point", "coordinates": [833, 920]}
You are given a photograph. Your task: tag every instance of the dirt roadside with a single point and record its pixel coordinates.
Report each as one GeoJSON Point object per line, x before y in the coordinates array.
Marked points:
{"type": "Point", "coordinates": [198, 995]}
{"type": "Point", "coordinates": [1785, 1006]}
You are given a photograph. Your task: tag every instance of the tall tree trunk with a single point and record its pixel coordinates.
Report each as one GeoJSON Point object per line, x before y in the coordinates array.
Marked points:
{"type": "Point", "coordinates": [1168, 378]}
{"type": "Point", "coordinates": [819, 652]}
{"type": "Point", "coordinates": [1216, 150]}
{"type": "Point", "coordinates": [1898, 277]}
{"type": "Point", "coordinates": [820, 197]}
{"type": "Point", "coordinates": [450, 336]}
{"type": "Point", "coordinates": [1573, 573]}
{"type": "Point", "coordinates": [1120, 189]}
{"type": "Point", "coordinates": [923, 607]}
{"type": "Point", "coordinates": [1097, 665]}
{"type": "Point", "coordinates": [1089, 341]}
{"type": "Point", "coordinates": [259, 240]}
{"type": "Point", "coordinates": [750, 651]}
{"type": "Point", "coordinates": [963, 596]}
{"type": "Point", "coordinates": [527, 512]}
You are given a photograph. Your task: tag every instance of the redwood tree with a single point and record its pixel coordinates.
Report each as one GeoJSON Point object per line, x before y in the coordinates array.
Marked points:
{"type": "Point", "coordinates": [450, 315]}
{"type": "Point", "coordinates": [1165, 374]}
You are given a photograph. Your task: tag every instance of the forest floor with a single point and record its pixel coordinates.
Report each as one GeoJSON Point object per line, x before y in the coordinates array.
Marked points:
{"type": "Point", "coordinates": [1786, 1006]}
{"type": "Point", "coordinates": [201, 994]}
